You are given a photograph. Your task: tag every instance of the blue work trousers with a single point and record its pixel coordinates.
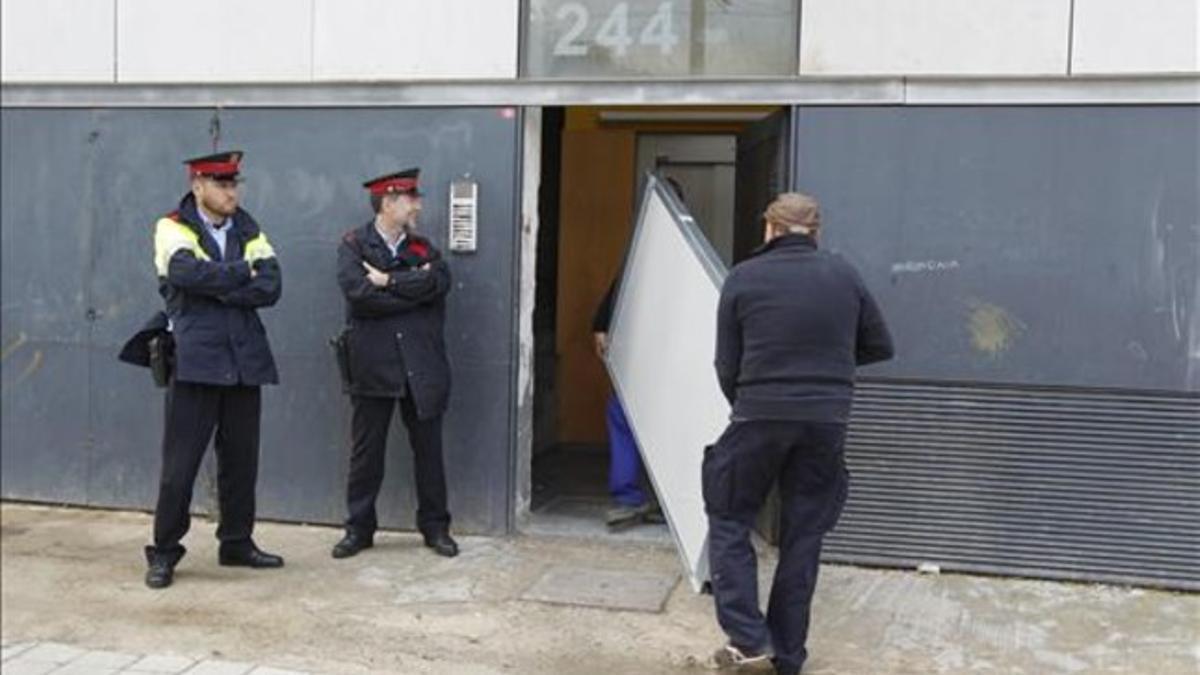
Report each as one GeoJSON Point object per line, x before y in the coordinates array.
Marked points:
{"type": "Point", "coordinates": [625, 464]}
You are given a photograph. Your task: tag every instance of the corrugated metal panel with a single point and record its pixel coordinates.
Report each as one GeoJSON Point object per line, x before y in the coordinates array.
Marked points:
{"type": "Point", "coordinates": [1070, 484]}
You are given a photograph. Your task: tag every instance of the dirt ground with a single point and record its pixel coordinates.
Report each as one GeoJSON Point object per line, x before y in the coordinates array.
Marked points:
{"type": "Point", "coordinates": [75, 576]}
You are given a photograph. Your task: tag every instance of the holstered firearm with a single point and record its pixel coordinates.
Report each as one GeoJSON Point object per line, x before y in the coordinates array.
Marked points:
{"type": "Point", "coordinates": [341, 354]}
{"type": "Point", "coordinates": [162, 358]}
{"type": "Point", "coordinates": [152, 347]}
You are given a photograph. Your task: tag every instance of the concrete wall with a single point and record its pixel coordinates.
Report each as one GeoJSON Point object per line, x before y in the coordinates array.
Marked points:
{"type": "Point", "coordinates": [155, 41]}
{"type": "Point", "coordinates": [409, 39]}
{"type": "Point", "coordinates": [159, 41]}
{"type": "Point", "coordinates": [213, 41]}
{"type": "Point", "coordinates": [934, 37]}
{"type": "Point", "coordinates": [81, 34]}
{"type": "Point", "coordinates": [1119, 36]}
{"type": "Point", "coordinates": [999, 37]}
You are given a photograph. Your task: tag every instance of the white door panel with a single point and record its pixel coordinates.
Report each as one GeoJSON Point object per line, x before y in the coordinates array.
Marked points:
{"type": "Point", "coordinates": [660, 359]}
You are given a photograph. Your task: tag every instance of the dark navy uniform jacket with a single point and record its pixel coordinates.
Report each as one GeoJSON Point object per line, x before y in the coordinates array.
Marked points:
{"type": "Point", "coordinates": [211, 300]}
{"type": "Point", "coordinates": [395, 333]}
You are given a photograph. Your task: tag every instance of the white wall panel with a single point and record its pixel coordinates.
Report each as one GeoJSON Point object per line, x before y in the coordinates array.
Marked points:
{"type": "Point", "coordinates": [934, 37]}
{"type": "Point", "coordinates": [1142, 36]}
{"type": "Point", "coordinates": [171, 41]}
{"type": "Point", "coordinates": [56, 40]}
{"type": "Point", "coordinates": [410, 39]}
{"type": "Point", "coordinates": [214, 41]}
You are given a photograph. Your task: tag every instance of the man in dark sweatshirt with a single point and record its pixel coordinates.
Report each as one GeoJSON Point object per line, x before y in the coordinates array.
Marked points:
{"type": "Point", "coordinates": [792, 324]}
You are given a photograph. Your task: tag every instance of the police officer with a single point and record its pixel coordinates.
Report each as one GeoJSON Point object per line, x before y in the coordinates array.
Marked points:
{"type": "Point", "coordinates": [215, 269]}
{"type": "Point", "coordinates": [395, 283]}
{"type": "Point", "coordinates": [793, 322]}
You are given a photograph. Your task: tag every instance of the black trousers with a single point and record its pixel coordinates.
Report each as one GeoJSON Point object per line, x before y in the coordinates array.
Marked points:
{"type": "Point", "coordinates": [192, 413]}
{"type": "Point", "coordinates": [372, 417]}
{"type": "Point", "coordinates": [738, 473]}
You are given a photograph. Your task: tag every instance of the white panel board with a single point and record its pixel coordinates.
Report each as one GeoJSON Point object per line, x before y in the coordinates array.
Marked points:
{"type": "Point", "coordinates": [1146, 36]}
{"type": "Point", "coordinates": [56, 41]}
{"type": "Point", "coordinates": [215, 41]}
{"type": "Point", "coordinates": [660, 359]}
{"type": "Point", "coordinates": [415, 39]}
{"type": "Point", "coordinates": [934, 37]}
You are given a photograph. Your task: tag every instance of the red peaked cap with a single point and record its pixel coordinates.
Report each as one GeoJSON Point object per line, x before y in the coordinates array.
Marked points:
{"type": "Point", "coordinates": [220, 165]}
{"type": "Point", "coordinates": [401, 182]}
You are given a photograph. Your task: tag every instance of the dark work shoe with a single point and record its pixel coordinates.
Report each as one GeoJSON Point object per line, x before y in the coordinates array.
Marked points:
{"type": "Point", "coordinates": [249, 557]}
{"type": "Point", "coordinates": [654, 516]}
{"type": "Point", "coordinates": [351, 544]}
{"type": "Point", "coordinates": [623, 515]}
{"type": "Point", "coordinates": [731, 659]}
{"type": "Point", "coordinates": [442, 544]}
{"type": "Point", "coordinates": [160, 570]}
{"type": "Point", "coordinates": [160, 574]}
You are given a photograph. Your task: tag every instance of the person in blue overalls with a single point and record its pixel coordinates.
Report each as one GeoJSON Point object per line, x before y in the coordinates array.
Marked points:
{"type": "Point", "coordinates": [630, 504]}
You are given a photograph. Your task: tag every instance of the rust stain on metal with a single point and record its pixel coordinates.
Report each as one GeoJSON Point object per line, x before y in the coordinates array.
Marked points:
{"type": "Point", "coordinates": [993, 330]}
{"type": "Point", "coordinates": [13, 346]}
{"type": "Point", "coordinates": [34, 364]}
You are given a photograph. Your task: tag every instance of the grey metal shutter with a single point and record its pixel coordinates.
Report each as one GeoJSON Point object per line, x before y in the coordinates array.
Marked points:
{"type": "Point", "coordinates": [1057, 483]}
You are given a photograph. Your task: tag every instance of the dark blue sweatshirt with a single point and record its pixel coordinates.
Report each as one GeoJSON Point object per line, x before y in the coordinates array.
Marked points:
{"type": "Point", "coordinates": [792, 325]}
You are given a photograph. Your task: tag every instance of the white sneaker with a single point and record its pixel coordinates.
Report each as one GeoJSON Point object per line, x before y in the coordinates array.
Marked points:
{"type": "Point", "coordinates": [734, 660]}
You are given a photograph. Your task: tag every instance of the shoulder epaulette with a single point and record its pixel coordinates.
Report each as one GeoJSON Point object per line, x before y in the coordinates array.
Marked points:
{"type": "Point", "coordinates": [173, 216]}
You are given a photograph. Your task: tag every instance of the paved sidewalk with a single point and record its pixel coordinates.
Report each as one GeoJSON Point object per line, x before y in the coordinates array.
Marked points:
{"type": "Point", "coordinates": [38, 658]}
{"type": "Point", "coordinates": [73, 599]}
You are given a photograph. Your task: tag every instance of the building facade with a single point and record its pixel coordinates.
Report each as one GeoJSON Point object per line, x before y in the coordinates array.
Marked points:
{"type": "Point", "coordinates": [1016, 180]}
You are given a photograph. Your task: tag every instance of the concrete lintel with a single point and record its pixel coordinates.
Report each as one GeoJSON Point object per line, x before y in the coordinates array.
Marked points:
{"type": "Point", "coordinates": [1053, 91]}
{"type": "Point", "coordinates": [459, 93]}
{"type": "Point", "coordinates": [1160, 89]}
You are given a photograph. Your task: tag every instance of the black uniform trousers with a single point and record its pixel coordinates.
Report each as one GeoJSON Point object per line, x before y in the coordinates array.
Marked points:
{"type": "Point", "coordinates": [192, 412]}
{"type": "Point", "coordinates": [738, 473]}
{"type": "Point", "coordinates": [372, 417]}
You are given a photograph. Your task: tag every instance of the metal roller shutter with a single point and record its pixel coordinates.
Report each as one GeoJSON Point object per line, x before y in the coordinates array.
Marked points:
{"type": "Point", "coordinates": [1057, 483]}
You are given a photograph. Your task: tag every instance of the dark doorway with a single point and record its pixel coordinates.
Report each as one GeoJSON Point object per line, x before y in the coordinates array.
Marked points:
{"type": "Point", "coordinates": [592, 162]}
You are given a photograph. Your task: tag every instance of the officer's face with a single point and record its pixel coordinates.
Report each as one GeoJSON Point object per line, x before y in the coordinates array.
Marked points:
{"type": "Point", "coordinates": [218, 196]}
{"type": "Point", "coordinates": [407, 208]}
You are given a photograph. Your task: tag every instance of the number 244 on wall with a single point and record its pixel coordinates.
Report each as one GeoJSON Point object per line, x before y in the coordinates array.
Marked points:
{"type": "Point", "coordinates": [614, 32]}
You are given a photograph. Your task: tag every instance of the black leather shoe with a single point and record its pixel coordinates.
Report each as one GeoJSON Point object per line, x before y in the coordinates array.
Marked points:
{"type": "Point", "coordinates": [351, 544]}
{"type": "Point", "coordinates": [442, 544]}
{"type": "Point", "coordinates": [249, 557]}
{"type": "Point", "coordinates": [162, 564]}
{"type": "Point", "coordinates": [160, 574]}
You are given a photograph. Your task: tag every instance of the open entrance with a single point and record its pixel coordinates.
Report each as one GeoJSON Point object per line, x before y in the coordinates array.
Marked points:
{"type": "Point", "coordinates": [725, 164]}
